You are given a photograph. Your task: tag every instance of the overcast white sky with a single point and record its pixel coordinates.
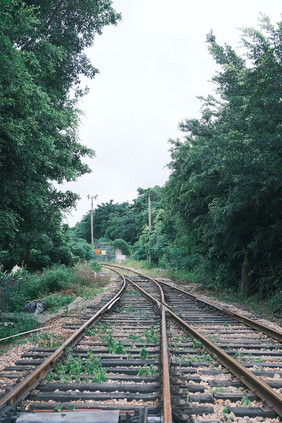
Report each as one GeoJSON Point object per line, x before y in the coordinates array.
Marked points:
{"type": "Point", "coordinates": [152, 65]}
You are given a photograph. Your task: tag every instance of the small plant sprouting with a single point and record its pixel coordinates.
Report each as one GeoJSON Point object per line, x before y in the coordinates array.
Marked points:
{"type": "Point", "coordinates": [120, 348]}
{"type": "Point", "coordinates": [151, 337]}
{"type": "Point", "coordinates": [93, 367]}
{"type": "Point", "coordinates": [92, 332]}
{"type": "Point", "coordinates": [187, 396]}
{"type": "Point", "coordinates": [48, 340]}
{"type": "Point", "coordinates": [206, 357]}
{"type": "Point", "coordinates": [225, 411]}
{"type": "Point", "coordinates": [58, 409]}
{"type": "Point", "coordinates": [226, 325]}
{"type": "Point", "coordinates": [110, 342]}
{"type": "Point", "coordinates": [134, 337]}
{"type": "Point", "coordinates": [192, 359]}
{"type": "Point", "coordinates": [132, 309]}
{"type": "Point", "coordinates": [74, 365]}
{"type": "Point", "coordinates": [196, 343]}
{"type": "Point", "coordinates": [72, 407]}
{"type": "Point", "coordinates": [144, 353]}
{"type": "Point", "coordinates": [245, 402]}
{"type": "Point", "coordinates": [60, 369]}
{"type": "Point", "coordinates": [147, 371]}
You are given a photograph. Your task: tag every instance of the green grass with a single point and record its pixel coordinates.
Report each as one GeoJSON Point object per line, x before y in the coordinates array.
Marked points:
{"type": "Point", "coordinates": [147, 371]}
{"type": "Point", "coordinates": [47, 340]}
{"type": "Point", "coordinates": [73, 367]}
{"type": "Point", "coordinates": [148, 269]}
{"type": "Point", "coordinates": [55, 301]}
{"type": "Point", "coordinates": [41, 284]}
{"type": "Point", "coordinates": [22, 322]}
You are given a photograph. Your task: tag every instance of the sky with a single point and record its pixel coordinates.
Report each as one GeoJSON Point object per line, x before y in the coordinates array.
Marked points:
{"type": "Point", "coordinates": [153, 65]}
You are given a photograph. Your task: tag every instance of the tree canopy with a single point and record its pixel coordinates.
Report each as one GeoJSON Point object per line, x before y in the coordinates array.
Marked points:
{"type": "Point", "coordinates": [42, 61]}
{"type": "Point", "coordinates": [124, 221]}
{"type": "Point", "coordinates": [225, 188]}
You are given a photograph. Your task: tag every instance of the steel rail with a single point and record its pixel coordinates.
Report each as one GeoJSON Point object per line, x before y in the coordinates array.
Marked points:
{"type": "Point", "coordinates": [273, 333]}
{"type": "Point", "coordinates": [260, 388]}
{"type": "Point", "coordinates": [21, 391]}
{"type": "Point", "coordinates": [167, 408]}
{"type": "Point", "coordinates": [165, 359]}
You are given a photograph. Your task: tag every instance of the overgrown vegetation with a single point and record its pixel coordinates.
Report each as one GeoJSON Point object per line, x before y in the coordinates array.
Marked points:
{"type": "Point", "coordinates": [20, 323]}
{"type": "Point", "coordinates": [42, 62]}
{"type": "Point", "coordinates": [218, 219]}
{"type": "Point", "coordinates": [39, 285]}
{"type": "Point", "coordinates": [74, 367]}
{"type": "Point", "coordinates": [56, 287]}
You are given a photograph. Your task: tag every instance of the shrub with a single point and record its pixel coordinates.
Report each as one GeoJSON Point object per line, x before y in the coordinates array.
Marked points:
{"type": "Point", "coordinates": [34, 286]}
{"type": "Point", "coordinates": [122, 245]}
{"type": "Point", "coordinates": [21, 323]}
{"type": "Point", "coordinates": [57, 278]}
{"type": "Point", "coordinates": [55, 301]}
{"type": "Point", "coordinates": [95, 266]}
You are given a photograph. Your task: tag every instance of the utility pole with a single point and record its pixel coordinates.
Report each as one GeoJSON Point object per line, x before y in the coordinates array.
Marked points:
{"type": "Point", "coordinates": [92, 197]}
{"type": "Point", "coordinates": [150, 226]}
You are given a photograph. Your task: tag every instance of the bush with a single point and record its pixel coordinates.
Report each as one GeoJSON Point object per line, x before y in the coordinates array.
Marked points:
{"type": "Point", "coordinates": [60, 277]}
{"type": "Point", "coordinates": [21, 323]}
{"type": "Point", "coordinates": [95, 266]}
{"type": "Point", "coordinates": [34, 286]}
{"type": "Point", "coordinates": [122, 245]}
{"type": "Point", "coordinates": [275, 303]}
{"type": "Point", "coordinates": [55, 301]}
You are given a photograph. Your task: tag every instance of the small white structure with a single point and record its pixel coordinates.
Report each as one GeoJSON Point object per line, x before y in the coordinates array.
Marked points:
{"type": "Point", "coordinates": [119, 256]}
{"type": "Point", "coordinates": [15, 269]}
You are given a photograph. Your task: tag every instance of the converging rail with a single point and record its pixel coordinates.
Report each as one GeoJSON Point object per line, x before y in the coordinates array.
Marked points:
{"type": "Point", "coordinates": [153, 353]}
{"type": "Point", "coordinates": [21, 390]}
{"type": "Point", "coordinates": [177, 306]}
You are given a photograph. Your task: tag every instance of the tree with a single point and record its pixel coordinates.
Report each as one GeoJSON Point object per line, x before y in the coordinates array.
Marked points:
{"type": "Point", "coordinates": [225, 186]}
{"type": "Point", "coordinates": [42, 59]}
{"type": "Point", "coordinates": [121, 221]}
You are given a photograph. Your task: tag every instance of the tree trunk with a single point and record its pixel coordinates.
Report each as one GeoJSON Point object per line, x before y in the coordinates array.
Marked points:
{"type": "Point", "coordinates": [25, 259]}
{"type": "Point", "coordinates": [246, 278]}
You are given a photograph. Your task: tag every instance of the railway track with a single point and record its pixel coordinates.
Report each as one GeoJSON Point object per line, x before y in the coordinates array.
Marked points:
{"type": "Point", "coordinates": [151, 354]}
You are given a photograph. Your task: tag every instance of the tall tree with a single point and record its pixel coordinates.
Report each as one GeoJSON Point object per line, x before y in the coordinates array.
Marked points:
{"type": "Point", "coordinates": [42, 60]}
{"type": "Point", "coordinates": [225, 187]}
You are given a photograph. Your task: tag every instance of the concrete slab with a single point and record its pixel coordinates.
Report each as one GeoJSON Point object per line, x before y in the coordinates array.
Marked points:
{"type": "Point", "coordinates": [43, 318]}
{"type": "Point", "coordinates": [97, 416]}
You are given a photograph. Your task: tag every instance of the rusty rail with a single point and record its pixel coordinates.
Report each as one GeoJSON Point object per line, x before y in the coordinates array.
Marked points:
{"type": "Point", "coordinates": [22, 390]}
{"type": "Point", "coordinates": [165, 359]}
{"type": "Point", "coordinates": [261, 389]}
{"type": "Point", "coordinates": [273, 333]}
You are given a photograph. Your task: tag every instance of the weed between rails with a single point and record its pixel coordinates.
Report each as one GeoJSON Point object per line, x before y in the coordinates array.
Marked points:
{"type": "Point", "coordinates": [74, 367]}
{"type": "Point", "coordinates": [148, 371]}
{"type": "Point", "coordinates": [47, 340]}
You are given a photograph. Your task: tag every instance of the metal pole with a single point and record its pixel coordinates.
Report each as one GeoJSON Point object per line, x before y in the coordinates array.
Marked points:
{"type": "Point", "coordinates": [93, 197]}
{"type": "Point", "coordinates": [150, 226]}
{"type": "Point", "coordinates": [92, 232]}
